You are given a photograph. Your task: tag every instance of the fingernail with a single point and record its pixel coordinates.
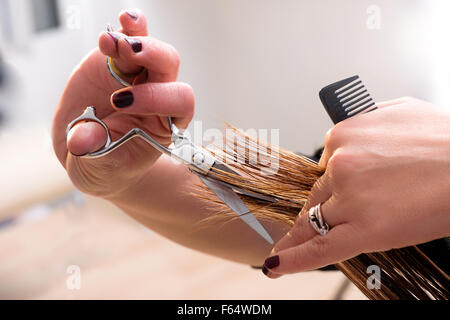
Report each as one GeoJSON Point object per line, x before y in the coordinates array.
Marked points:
{"type": "Point", "coordinates": [265, 271]}
{"type": "Point", "coordinates": [133, 15]}
{"type": "Point", "coordinates": [272, 262]}
{"type": "Point", "coordinates": [123, 99]}
{"type": "Point", "coordinates": [135, 44]}
{"type": "Point", "coordinates": [114, 36]}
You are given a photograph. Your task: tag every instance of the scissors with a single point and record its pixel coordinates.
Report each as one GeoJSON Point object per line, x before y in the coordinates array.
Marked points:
{"type": "Point", "coordinates": [200, 161]}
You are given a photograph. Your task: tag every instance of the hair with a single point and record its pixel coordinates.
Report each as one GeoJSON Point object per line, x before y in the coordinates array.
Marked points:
{"type": "Point", "coordinates": [406, 273]}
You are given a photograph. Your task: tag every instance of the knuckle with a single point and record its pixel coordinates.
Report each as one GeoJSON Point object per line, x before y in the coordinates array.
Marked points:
{"type": "Point", "coordinates": [152, 48]}
{"type": "Point", "coordinates": [298, 258]}
{"type": "Point", "coordinates": [341, 169]}
{"type": "Point", "coordinates": [175, 57]}
{"type": "Point", "coordinates": [333, 137]}
{"type": "Point", "coordinates": [186, 93]}
{"type": "Point", "coordinates": [295, 233]}
{"type": "Point", "coordinates": [329, 138]}
{"type": "Point", "coordinates": [313, 199]}
{"type": "Point", "coordinates": [150, 94]}
{"type": "Point", "coordinates": [320, 247]}
{"type": "Point", "coordinates": [317, 187]}
{"type": "Point", "coordinates": [339, 162]}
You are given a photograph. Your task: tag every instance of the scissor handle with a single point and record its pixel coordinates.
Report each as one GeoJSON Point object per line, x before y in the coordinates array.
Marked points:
{"type": "Point", "coordinates": [89, 115]}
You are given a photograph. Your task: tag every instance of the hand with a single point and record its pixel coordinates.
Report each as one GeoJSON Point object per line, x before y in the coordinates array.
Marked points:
{"type": "Point", "coordinates": [386, 186]}
{"type": "Point", "coordinates": [146, 105]}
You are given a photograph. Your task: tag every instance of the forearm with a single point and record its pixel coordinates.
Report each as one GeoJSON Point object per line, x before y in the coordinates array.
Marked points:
{"type": "Point", "coordinates": [161, 200]}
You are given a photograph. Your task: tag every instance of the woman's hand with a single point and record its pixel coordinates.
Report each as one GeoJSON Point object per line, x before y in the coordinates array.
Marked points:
{"type": "Point", "coordinates": [146, 105]}
{"type": "Point", "coordinates": [155, 192]}
{"type": "Point", "coordinates": [386, 185]}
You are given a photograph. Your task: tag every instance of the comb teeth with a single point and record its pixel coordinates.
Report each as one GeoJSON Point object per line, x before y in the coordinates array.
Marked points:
{"type": "Point", "coordinates": [346, 98]}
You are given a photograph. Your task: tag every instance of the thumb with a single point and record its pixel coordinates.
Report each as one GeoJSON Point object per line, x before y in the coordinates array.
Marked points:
{"type": "Point", "coordinates": [86, 137]}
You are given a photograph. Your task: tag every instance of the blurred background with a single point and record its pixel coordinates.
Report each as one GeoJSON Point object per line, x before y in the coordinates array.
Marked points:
{"type": "Point", "coordinates": [255, 64]}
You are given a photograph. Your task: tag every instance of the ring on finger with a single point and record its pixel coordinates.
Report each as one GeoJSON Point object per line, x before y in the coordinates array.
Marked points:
{"type": "Point", "coordinates": [317, 221]}
{"type": "Point", "coordinates": [119, 75]}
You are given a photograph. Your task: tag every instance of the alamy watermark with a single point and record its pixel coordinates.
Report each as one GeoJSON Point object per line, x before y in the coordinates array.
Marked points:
{"type": "Point", "coordinates": [73, 281]}
{"type": "Point", "coordinates": [73, 17]}
{"type": "Point", "coordinates": [256, 147]}
{"type": "Point", "coordinates": [374, 280]}
{"type": "Point", "coordinates": [374, 17]}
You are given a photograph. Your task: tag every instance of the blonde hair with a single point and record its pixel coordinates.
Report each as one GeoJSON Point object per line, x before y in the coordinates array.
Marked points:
{"type": "Point", "coordinates": [406, 273]}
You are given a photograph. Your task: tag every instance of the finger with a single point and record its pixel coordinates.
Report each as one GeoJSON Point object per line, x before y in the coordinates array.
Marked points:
{"type": "Point", "coordinates": [86, 137]}
{"type": "Point", "coordinates": [302, 229]}
{"type": "Point", "coordinates": [270, 274]}
{"type": "Point", "coordinates": [154, 55]}
{"type": "Point", "coordinates": [108, 43]}
{"type": "Point", "coordinates": [331, 143]}
{"type": "Point", "coordinates": [131, 54]}
{"type": "Point", "coordinates": [134, 22]}
{"type": "Point", "coordinates": [339, 244]}
{"type": "Point", "coordinates": [326, 155]}
{"type": "Point", "coordinates": [163, 99]}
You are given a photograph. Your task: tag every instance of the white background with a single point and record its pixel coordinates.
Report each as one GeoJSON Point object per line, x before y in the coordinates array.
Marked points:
{"type": "Point", "coordinates": [254, 63]}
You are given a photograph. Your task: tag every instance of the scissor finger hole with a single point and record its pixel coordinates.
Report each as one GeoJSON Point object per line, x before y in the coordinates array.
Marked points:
{"type": "Point", "coordinates": [89, 116]}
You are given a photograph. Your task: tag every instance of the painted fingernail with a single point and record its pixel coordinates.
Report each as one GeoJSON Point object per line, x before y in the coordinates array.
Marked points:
{"type": "Point", "coordinates": [135, 44]}
{"type": "Point", "coordinates": [133, 15]}
{"type": "Point", "coordinates": [114, 36]}
{"type": "Point", "coordinates": [272, 262]}
{"type": "Point", "coordinates": [265, 271]}
{"type": "Point", "coordinates": [123, 99]}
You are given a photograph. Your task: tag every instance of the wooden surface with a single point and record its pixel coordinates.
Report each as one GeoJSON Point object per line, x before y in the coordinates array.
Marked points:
{"type": "Point", "coordinates": [120, 259]}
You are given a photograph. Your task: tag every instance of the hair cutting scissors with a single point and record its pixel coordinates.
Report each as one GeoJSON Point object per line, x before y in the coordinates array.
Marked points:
{"type": "Point", "coordinates": [197, 159]}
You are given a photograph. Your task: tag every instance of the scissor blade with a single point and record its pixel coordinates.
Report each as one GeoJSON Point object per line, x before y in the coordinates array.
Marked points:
{"type": "Point", "coordinates": [231, 199]}
{"type": "Point", "coordinates": [225, 168]}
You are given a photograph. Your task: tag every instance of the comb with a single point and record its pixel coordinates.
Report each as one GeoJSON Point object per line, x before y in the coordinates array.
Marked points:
{"type": "Point", "coordinates": [346, 98]}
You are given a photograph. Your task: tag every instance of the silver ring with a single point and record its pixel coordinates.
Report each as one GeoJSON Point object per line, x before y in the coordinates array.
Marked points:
{"type": "Point", "coordinates": [109, 28]}
{"type": "Point", "coordinates": [316, 220]}
{"type": "Point", "coordinates": [89, 115]}
{"type": "Point", "coordinates": [115, 75]}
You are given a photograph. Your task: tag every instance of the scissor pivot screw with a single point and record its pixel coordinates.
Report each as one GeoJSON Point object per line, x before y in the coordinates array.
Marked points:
{"type": "Point", "coordinates": [198, 158]}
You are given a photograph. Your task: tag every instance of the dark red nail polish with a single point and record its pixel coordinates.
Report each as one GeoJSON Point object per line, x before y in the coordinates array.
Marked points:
{"type": "Point", "coordinates": [133, 15]}
{"type": "Point", "coordinates": [123, 99]}
{"type": "Point", "coordinates": [114, 36]}
{"type": "Point", "coordinates": [135, 44]}
{"type": "Point", "coordinates": [265, 271]}
{"type": "Point", "coordinates": [272, 262]}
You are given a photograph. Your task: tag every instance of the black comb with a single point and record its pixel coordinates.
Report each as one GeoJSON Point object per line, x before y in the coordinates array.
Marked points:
{"type": "Point", "coordinates": [346, 98]}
